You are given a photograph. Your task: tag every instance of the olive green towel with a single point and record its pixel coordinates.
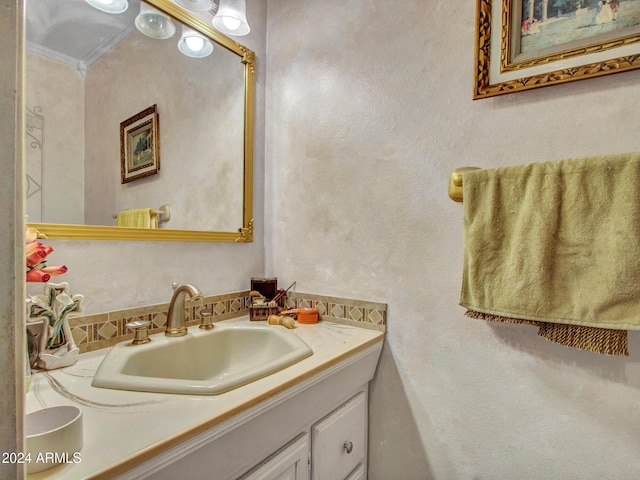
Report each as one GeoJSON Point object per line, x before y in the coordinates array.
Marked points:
{"type": "Point", "coordinates": [556, 245]}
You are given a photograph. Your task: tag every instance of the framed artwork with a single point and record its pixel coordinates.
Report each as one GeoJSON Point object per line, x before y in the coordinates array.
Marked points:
{"type": "Point", "coordinates": [525, 44]}
{"type": "Point", "coordinates": [140, 145]}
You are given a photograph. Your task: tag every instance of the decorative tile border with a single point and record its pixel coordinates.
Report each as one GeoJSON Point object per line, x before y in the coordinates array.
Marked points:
{"type": "Point", "coordinates": [93, 332]}
{"type": "Point", "coordinates": [358, 313]}
{"type": "Point", "coordinates": [103, 330]}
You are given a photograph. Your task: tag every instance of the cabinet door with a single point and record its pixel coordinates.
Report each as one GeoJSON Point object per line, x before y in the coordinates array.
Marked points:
{"type": "Point", "coordinates": [291, 462]}
{"type": "Point", "coordinates": [339, 441]}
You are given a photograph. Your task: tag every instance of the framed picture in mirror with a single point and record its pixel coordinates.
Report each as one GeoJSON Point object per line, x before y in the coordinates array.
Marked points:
{"type": "Point", "coordinates": [140, 145]}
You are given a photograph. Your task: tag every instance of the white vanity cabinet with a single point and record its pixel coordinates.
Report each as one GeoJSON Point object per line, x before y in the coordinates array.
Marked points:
{"type": "Point", "coordinates": [315, 430]}
{"type": "Point", "coordinates": [291, 462]}
{"type": "Point", "coordinates": [358, 473]}
{"type": "Point", "coordinates": [339, 441]}
{"type": "Point", "coordinates": [338, 448]}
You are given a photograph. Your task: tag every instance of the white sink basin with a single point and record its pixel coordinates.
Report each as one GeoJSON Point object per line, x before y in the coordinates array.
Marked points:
{"type": "Point", "coordinates": [201, 362]}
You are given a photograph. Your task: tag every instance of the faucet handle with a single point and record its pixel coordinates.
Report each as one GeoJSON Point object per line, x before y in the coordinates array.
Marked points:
{"type": "Point", "coordinates": [141, 330]}
{"type": "Point", "coordinates": [206, 318]}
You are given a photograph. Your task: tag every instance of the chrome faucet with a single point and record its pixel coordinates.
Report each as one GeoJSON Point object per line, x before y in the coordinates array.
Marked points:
{"type": "Point", "coordinates": [175, 316]}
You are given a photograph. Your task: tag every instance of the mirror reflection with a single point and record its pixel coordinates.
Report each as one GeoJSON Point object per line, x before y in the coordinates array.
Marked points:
{"type": "Point", "coordinates": [94, 153]}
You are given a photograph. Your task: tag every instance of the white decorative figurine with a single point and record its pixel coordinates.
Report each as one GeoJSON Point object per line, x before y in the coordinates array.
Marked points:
{"type": "Point", "coordinates": [52, 309]}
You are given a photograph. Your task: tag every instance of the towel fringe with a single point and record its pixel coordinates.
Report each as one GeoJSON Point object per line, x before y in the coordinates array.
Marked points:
{"type": "Point", "coordinates": [499, 318]}
{"type": "Point", "coordinates": [593, 339]}
{"type": "Point", "coordinates": [599, 340]}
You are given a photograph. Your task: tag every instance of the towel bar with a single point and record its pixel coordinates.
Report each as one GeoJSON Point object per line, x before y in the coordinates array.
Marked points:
{"type": "Point", "coordinates": [163, 213]}
{"type": "Point", "coordinates": [455, 183]}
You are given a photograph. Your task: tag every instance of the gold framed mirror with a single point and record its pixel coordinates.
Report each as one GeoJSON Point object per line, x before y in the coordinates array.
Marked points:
{"type": "Point", "coordinates": [221, 195]}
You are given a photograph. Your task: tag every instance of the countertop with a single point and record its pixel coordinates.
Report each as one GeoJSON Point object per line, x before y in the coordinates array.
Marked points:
{"type": "Point", "coordinates": [122, 429]}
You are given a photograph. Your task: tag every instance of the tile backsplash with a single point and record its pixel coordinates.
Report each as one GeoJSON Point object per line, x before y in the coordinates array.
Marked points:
{"type": "Point", "coordinates": [359, 313]}
{"type": "Point", "coordinates": [93, 332]}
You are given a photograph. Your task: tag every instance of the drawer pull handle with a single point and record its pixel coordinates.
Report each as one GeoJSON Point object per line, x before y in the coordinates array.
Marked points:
{"type": "Point", "coordinates": [348, 446]}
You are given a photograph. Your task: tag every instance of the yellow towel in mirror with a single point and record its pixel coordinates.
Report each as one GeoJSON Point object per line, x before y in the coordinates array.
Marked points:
{"type": "Point", "coordinates": [138, 218]}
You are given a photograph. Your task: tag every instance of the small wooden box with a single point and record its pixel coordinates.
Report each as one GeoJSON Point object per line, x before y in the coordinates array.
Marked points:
{"type": "Point", "coordinates": [267, 287]}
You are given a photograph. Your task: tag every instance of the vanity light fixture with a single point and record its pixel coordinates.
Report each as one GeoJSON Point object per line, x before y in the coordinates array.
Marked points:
{"type": "Point", "coordinates": [231, 18]}
{"type": "Point", "coordinates": [196, 5]}
{"type": "Point", "coordinates": [194, 45]}
{"type": "Point", "coordinates": [154, 24]}
{"type": "Point", "coordinates": [109, 6]}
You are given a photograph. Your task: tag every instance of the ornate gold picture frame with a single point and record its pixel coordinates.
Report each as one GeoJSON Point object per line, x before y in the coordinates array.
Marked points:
{"type": "Point", "coordinates": [140, 145]}
{"type": "Point", "coordinates": [519, 46]}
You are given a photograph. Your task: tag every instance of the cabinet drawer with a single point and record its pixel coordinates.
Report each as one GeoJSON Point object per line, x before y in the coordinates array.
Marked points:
{"type": "Point", "coordinates": [339, 441]}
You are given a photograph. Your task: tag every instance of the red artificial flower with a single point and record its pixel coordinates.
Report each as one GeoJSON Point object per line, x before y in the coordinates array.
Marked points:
{"type": "Point", "coordinates": [36, 254]}
{"type": "Point", "coordinates": [54, 271]}
{"type": "Point", "coordinates": [35, 275]}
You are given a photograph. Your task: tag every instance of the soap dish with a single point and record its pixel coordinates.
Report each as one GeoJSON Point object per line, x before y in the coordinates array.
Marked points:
{"type": "Point", "coordinates": [52, 436]}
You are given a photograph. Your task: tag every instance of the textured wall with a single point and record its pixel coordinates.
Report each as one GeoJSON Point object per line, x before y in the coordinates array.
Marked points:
{"type": "Point", "coordinates": [200, 107]}
{"type": "Point", "coordinates": [12, 339]}
{"type": "Point", "coordinates": [368, 110]}
{"type": "Point", "coordinates": [47, 83]}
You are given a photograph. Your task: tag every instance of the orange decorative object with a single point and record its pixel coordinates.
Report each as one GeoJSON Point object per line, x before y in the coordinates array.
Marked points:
{"type": "Point", "coordinates": [304, 315]}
